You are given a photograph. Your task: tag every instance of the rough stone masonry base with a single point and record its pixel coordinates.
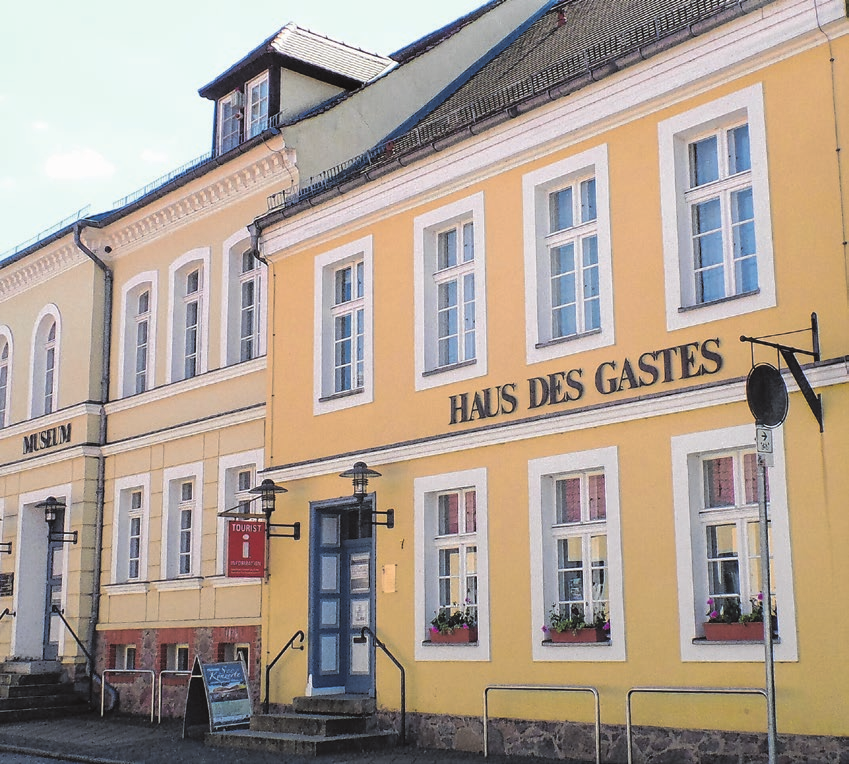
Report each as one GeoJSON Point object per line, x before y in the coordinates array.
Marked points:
{"type": "Point", "coordinates": [572, 741]}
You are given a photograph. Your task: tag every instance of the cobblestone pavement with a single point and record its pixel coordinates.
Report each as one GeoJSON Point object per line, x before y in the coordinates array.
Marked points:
{"type": "Point", "coordinates": [131, 741]}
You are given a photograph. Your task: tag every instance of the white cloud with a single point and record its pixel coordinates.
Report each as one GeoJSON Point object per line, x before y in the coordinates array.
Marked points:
{"type": "Point", "coordinates": [152, 156]}
{"type": "Point", "coordinates": [78, 164]}
{"type": "Point", "coordinates": [7, 184]}
{"type": "Point", "coordinates": [40, 126]}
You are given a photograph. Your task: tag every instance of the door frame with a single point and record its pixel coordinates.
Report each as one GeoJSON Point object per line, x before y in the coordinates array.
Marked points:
{"type": "Point", "coordinates": [317, 510]}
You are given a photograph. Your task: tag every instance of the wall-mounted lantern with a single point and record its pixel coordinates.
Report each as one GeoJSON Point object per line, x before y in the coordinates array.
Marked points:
{"type": "Point", "coordinates": [51, 506]}
{"type": "Point", "coordinates": [359, 475]}
{"type": "Point", "coordinates": [267, 492]}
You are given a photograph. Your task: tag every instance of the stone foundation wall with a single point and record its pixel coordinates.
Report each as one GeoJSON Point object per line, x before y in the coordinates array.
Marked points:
{"type": "Point", "coordinates": [134, 690]}
{"type": "Point", "coordinates": [651, 745]}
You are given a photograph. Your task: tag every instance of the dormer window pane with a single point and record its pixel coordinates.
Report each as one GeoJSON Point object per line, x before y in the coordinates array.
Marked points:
{"type": "Point", "coordinates": [229, 122]}
{"type": "Point", "coordinates": [258, 105]}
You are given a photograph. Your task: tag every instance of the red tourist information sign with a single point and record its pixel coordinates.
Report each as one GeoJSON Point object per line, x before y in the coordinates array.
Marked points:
{"type": "Point", "coordinates": [245, 548]}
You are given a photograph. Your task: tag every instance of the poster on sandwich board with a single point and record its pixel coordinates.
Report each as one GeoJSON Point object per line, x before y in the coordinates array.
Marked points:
{"type": "Point", "coordinates": [219, 694]}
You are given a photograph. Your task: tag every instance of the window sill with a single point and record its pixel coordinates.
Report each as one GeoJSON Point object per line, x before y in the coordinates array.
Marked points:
{"type": "Point", "coordinates": [344, 394]}
{"type": "Point", "coordinates": [701, 641]}
{"type": "Point", "coordinates": [428, 642]}
{"type": "Point", "coordinates": [552, 643]}
{"type": "Point", "coordinates": [449, 367]}
{"type": "Point", "coordinates": [731, 298]}
{"type": "Point", "coordinates": [568, 338]}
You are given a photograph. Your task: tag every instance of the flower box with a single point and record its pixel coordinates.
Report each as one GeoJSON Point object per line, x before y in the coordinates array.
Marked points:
{"type": "Point", "coordinates": [735, 632]}
{"type": "Point", "coordinates": [458, 636]}
{"type": "Point", "coordinates": [590, 634]}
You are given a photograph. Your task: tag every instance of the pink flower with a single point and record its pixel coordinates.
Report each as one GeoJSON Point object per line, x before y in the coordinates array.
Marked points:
{"type": "Point", "coordinates": [606, 626]}
{"type": "Point", "coordinates": [760, 596]}
{"type": "Point", "coordinates": [545, 628]}
{"type": "Point", "coordinates": [713, 614]}
{"type": "Point", "coordinates": [465, 626]}
{"type": "Point", "coordinates": [434, 629]}
{"type": "Point", "coordinates": [710, 601]}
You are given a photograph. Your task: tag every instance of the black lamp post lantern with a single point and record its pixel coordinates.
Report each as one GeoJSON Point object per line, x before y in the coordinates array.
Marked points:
{"type": "Point", "coordinates": [359, 475]}
{"type": "Point", "coordinates": [267, 492]}
{"type": "Point", "coordinates": [51, 506]}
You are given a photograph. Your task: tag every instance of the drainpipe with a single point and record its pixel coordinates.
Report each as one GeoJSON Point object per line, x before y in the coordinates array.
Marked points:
{"type": "Point", "coordinates": [91, 637]}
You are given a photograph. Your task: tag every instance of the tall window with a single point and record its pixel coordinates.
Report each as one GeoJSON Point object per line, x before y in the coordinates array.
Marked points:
{"type": "Point", "coordinates": [455, 287]}
{"type": "Point", "coordinates": [4, 380]}
{"type": "Point", "coordinates": [573, 252]}
{"type": "Point", "coordinates": [230, 116]}
{"type": "Point", "coordinates": [457, 549]}
{"type": "Point", "coordinates": [130, 529]}
{"type": "Point", "coordinates": [134, 535]}
{"type": "Point", "coordinates": [715, 210]}
{"type": "Point", "coordinates": [729, 519]}
{"type": "Point", "coordinates": [192, 324]}
{"type": "Point", "coordinates": [142, 340]}
{"type": "Point", "coordinates": [580, 533]}
{"type": "Point", "coordinates": [576, 551]}
{"type": "Point", "coordinates": [343, 327]}
{"type": "Point", "coordinates": [451, 560]}
{"type": "Point", "coordinates": [186, 512]}
{"type": "Point", "coordinates": [348, 327]}
{"type": "Point", "coordinates": [717, 539]}
{"type": "Point", "coordinates": [257, 91]}
{"type": "Point", "coordinates": [568, 261]}
{"type": "Point", "coordinates": [45, 368]}
{"type": "Point", "coordinates": [722, 215]}
{"type": "Point", "coordinates": [248, 308]}
{"type": "Point", "coordinates": [450, 293]}
{"type": "Point", "coordinates": [188, 344]}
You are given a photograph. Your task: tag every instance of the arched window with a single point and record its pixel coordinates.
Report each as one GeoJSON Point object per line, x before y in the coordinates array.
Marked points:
{"type": "Point", "coordinates": [243, 336]}
{"type": "Point", "coordinates": [138, 333]}
{"type": "Point", "coordinates": [189, 338]}
{"type": "Point", "coordinates": [5, 377]}
{"type": "Point", "coordinates": [45, 367]}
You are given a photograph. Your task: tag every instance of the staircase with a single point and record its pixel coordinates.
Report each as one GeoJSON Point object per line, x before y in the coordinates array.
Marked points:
{"type": "Point", "coordinates": [318, 724]}
{"type": "Point", "coordinates": [33, 690]}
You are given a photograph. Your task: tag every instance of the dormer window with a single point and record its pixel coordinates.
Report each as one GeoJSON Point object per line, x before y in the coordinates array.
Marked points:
{"type": "Point", "coordinates": [257, 105]}
{"type": "Point", "coordinates": [230, 115]}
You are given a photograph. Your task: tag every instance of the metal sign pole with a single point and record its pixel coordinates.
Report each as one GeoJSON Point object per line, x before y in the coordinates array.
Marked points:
{"type": "Point", "coordinates": [766, 585]}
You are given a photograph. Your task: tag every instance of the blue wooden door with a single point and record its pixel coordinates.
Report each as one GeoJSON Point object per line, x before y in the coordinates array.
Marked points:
{"type": "Point", "coordinates": [341, 597]}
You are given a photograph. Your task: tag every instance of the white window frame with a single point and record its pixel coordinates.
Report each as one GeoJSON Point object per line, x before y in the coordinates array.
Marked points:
{"type": "Point", "coordinates": [172, 481]}
{"type": "Point", "coordinates": [122, 653]}
{"type": "Point", "coordinates": [177, 274]}
{"type": "Point", "coordinates": [232, 278]}
{"type": "Point", "coordinates": [229, 467]}
{"type": "Point", "coordinates": [130, 292]}
{"type": "Point", "coordinates": [542, 474]}
{"type": "Point", "coordinates": [427, 490]}
{"type": "Point", "coordinates": [325, 399]}
{"type": "Point", "coordinates": [234, 100]}
{"type": "Point", "coordinates": [121, 513]}
{"type": "Point", "coordinates": [38, 360]}
{"type": "Point", "coordinates": [172, 656]}
{"type": "Point", "coordinates": [254, 126]}
{"type": "Point", "coordinates": [426, 230]}
{"type": "Point", "coordinates": [540, 345]}
{"type": "Point", "coordinates": [688, 490]}
{"type": "Point", "coordinates": [675, 135]}
{"type": "Point", "coordinates": [7, 363]}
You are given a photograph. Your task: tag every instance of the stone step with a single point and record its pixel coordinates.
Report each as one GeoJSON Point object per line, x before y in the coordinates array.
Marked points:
{"type": "Point", "coordinates": [8, 716]}
{"type": "Point", "coordinates": [345, 705]}
{"type": "Point", "coordinates": [14, 678]}
{"type": "Point", "coordinates": [41, 701]}
{"type": "Point", "coordinates": [322, 725]}
{"type": "Point", "coordinates": [28, 690]}
{"type": "Point", "coordinates": [30, 667]}
{"type": "Point", "coordinates": [300, 745]}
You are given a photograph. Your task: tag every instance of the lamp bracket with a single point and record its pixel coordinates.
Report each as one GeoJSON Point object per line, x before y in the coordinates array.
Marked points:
{"type": "Point", "coordinates": [789, 353]}
{"type": "Point", "coordinates": [64, 537]}
{"type": "Point", "coordinates": [389, 518]}
{"type": "Point", "coordinates": [6, 547]}
{"type": "Point", "coordinates": [293, 528]}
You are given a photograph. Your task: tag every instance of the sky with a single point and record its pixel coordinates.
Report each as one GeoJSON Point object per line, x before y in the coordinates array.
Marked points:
{"type": "Point", "coordinates": [98, 98]}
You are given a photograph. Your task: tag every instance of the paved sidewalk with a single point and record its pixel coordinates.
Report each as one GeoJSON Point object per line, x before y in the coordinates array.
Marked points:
{"type": "Point", "coordinates": [130, 741]}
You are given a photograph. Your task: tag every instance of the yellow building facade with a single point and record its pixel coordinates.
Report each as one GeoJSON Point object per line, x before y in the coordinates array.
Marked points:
{"type": "Point", "coordinates": [529, 323]}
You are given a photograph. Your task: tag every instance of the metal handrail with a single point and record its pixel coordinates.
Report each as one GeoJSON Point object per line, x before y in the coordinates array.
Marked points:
{"type": "Point", "coordinates": [362, 638]}
{"type": "Point", "coordinates": [171, 672]}
{"type": "Point", "coordinates": [130, 671]}
{"type": "Point", "coordinates": [543, 688]}
{"type": "Point", "coordinates": [91, 672]}
{"type": "Point", "coordinates": [290, 643]}
{"type": "Point", "coordinates": [682, 691]}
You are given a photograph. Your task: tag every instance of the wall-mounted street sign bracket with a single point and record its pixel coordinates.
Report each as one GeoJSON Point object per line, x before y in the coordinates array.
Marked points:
{"type": "Point", "coordinates": [293, 531]}
{"type": "Point", "coordinates": [64, 537]}
{"type": "Point", "coordinates": [789, 353]}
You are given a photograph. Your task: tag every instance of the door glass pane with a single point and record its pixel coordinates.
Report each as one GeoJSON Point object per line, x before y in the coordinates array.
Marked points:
{"type": "Point", "coordinates": [329, 654]}
{"type": "Point", "coordinates": [330, 530]}
{"type": "Point", "coordinates": [329, 573]}
{"type": "Point", "coordinates": [359, 573]}
{"type": "Point", "coordinates": [329, 612]}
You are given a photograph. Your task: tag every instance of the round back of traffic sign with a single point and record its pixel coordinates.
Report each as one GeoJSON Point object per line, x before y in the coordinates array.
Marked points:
{"type": "Point", "coordinates": [766, 395]}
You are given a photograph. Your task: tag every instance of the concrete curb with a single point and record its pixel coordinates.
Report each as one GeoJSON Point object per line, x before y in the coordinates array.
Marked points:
{"type": "Point", "coordinates": [46, 754]}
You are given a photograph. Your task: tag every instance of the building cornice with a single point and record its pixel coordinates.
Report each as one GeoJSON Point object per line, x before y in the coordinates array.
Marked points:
{"type": "Point", "coordinates": [44, 265]}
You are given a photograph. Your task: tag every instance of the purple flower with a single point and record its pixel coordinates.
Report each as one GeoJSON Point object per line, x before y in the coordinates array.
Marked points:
{"type": "Point", "coordinates": [713, 614]}
{"type": "Point", "coordinates": [545, 628]}
{"type": "Point", "coordinates": [710, 601]}
{"type": "Point", "coordinates": [465, 626]}
{"type": "Point", "coordinates": [606, 626]}
{"type": "Point", "coordinates": [760, 596]}
{"type": "Point", "coordinates": [434, 629]}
